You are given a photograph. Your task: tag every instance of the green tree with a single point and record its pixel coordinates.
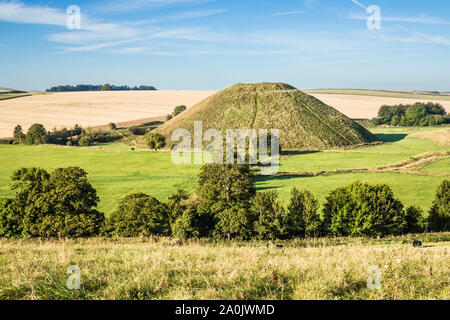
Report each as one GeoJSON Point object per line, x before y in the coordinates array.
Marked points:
{"type": "Point", "coordinates": [60, 204]}
{"type": "Point", "coordinates": [415, 113]}
{"type": "Point", "coordinates": [185, 226]}
{"type": "Point", "coordinates": [19, 136]}
{"type": "Point", "coordinates": [139, 214]}
{"type": "Point", "coordinates": [439, 216]}
{"type": "Point", "coordinates": [106, 87]}
{"type": "Point", "coordinates": [414, 220]}
{"type": "Point", "coordinates": [178, 110]}
{"type": "Point", "coordinates": [36, 134]}
{"type": "Point", "coordinates": [268, 214]}
{"type": "Point", "coordinates": [155, 141]}
{"type": "Point", "coordinates": [223, 190]}
{"type": "Point", "coordinates": [112, 126]}
{"type": "Point", "coordinates": [363, 210]}
{"type": "Point", "coordinates": [301, 218]}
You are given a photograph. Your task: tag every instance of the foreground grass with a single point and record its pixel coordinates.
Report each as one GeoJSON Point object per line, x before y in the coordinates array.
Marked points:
{"type": "Point", "coordinates": [201, 269]}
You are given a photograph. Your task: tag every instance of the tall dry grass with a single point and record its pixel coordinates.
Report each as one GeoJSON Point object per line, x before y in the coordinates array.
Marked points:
{"type": "Point", "coordinates": [160, 269]}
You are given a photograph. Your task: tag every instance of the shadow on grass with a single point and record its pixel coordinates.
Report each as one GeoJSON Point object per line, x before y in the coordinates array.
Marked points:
{"type": "Point", "coordinates": [391, 137]}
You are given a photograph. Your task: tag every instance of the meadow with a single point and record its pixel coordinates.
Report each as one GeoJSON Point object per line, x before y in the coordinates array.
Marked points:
{"type": "Point", "coordinates": [156, 268]}
{"type": "Point", "coordinates": [115, 170]}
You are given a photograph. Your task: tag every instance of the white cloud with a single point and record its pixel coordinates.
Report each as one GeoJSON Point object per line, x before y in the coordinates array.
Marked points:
{"type": "Point", "coordinates": [289, 13]}
{"type": "Point", "coordinates": [20, 13]}
{"type": "Point", "coordinates": [424, 19]}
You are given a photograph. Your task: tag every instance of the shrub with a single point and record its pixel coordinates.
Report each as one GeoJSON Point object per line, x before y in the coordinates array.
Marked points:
{"type": "Point", "coordinates": [236, 221]}
{"type": "Point", "coordinates": [139, 215]}
{"type": "Point", "coordinates": [185, 226]}
{"type": "Point", "coordinates": [155, 141]}
{"type": "Point", "coordinates": [169, 117]}
{"type": "Point", "coordinates": [85, 141]}
{"type": "Point", "coordinates": [6, 141]}
{"type": "Point", "coordinates": [301, 218]}
{"type": "Point", "coordinates": [363, 210]}
{"type": "Point", "coordinates": [112, 126]}
{"type": "Point", "coordinates": [414, 220]}
{"type": "Point", "coordinates": [106, 87]}
{"type": "Point", "coordinates": [178, 110]}
{"type": "Point", "coordinates": [137, 131]}
{"type": "Point", "coordinates": [439, 216]}
{"type": "Point", "coordinates": [268, 214]}
{"type": "Point", "coordinates": [60, 204]}
{"type": "Point", "coordinates": [11, 224]}
{"type": "Point", "coordinates": [36, 134]}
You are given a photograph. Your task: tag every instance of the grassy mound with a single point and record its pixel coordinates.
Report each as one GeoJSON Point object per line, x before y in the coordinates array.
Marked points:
{"type": "Point", "coordinates": [304, 122]}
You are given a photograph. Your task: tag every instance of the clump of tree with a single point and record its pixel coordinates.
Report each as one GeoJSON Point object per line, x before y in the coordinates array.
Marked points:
{"type": "Point", "coordinates": [139, 215]}
{"type": "Point", "coordinates": [178, 110]}
{"type": "Point", "coordinates": [439, 216]}
{"type": "Point", "coordinates": [302, 218]}
{"type": "Point", "coordinates": [416, 115]}
{"type": "Point", "coordinates": [57, 204]}
{"type": "Point", "coordinates": [89, 87]}
{"type": "Point", "coordinates": [75, 136]}
{"type": "Point", "coordinates": [361, 209]}
{"type": "Point", "coordinates": [155, 141]}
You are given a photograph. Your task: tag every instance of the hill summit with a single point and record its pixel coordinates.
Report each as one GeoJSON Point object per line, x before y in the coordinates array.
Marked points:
{"type": "Point", "coordinates": [305, 123]}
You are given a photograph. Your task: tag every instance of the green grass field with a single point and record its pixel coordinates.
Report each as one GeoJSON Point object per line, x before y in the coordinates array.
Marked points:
{"type": "Point", "coordinates": [115, 170]}
{"type": "Point", "coordinates": [381, 93]}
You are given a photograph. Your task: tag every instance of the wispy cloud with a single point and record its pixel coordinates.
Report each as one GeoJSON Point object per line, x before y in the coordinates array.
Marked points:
{"type": "Point", "coordinates": [400, 34]}
{"type": "Point", "coordinates": [424, 19]}
{"type": "Point", "coordinates": [187, 15]}
{"type": "Point", "coordinates": [289, 13]}
{"type": "Point", "coordinates": [133, 5]}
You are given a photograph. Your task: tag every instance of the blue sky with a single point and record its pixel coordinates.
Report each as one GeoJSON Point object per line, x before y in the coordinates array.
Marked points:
{"type": "Point", "coordinates": [207, 44]}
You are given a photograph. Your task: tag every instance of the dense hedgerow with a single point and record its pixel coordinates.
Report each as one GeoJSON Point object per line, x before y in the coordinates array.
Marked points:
{"type": "Point", "coordinates": [57, 204]}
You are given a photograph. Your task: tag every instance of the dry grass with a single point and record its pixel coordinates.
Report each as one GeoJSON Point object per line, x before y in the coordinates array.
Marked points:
{"type": "Point", "coordinates": [160, 269]}
{"type": "Point", "coordinates": [363, 107]}
{"type": "Point", "coordinates": [91, 108]}
{"type": "Point", "coordinates": [438, 137]}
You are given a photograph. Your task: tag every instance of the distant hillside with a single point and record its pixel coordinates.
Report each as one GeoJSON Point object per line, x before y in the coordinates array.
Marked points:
{"type": "Point", "coordinates": [425, 95]}
{"type": "Point", "coordinates": [304, 121]}
{"type": "Point", "coordinates": [90, 87]}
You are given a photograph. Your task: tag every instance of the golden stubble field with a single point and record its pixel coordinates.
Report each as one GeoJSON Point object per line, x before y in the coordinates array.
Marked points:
{"type": "Point", "coordinates": [363, 107]}
{"type": "Point", "coordinates": [132, 107]}
{"type": "Point", "coordinates": [92, 108]}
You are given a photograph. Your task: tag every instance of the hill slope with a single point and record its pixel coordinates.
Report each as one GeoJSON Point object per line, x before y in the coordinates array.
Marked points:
{"type": "Point", "coordinates": [304, 121]}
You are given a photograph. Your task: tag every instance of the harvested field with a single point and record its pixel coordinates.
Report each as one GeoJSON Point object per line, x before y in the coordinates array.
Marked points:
{"type": "Point", "coordinates": [92, 108]}
{"type": "Point", "coordinates": [439, 137]}
{"type": "Point", "coordinates": [363, 107]}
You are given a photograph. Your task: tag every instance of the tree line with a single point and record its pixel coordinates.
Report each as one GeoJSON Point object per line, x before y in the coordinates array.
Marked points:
{"type": "Point", "coordinates": [90, 87]}
{"type": "Point", "coordinates": [225, 205]}
{"type": "Point", "coordinates": [415, 115]}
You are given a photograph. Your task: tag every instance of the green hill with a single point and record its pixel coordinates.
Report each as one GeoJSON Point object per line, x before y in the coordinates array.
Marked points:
{"type": "Point", "coordinates": [305, 123]}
